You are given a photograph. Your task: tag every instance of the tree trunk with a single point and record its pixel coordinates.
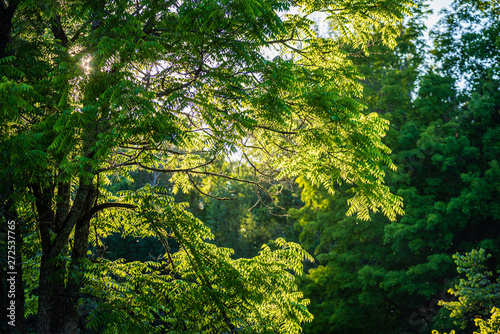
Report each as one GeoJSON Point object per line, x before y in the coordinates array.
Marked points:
{"type": "Point", "coordinates": [10, 215]}
{"type": "Point", "coordinates": [6, 15]}
{"type": "Point", "coordinates": [58, 292]}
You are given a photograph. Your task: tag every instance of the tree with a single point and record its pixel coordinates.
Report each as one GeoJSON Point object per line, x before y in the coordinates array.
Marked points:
{"type": "Point", "coordinates": [94, 90]}
{"type": "Point", "coordinates": [477, 294]}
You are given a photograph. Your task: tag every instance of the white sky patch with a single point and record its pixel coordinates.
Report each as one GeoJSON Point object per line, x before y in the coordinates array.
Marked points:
{"type": "Point", "coordinates": [321, 26]}
{"type": "Point", "coordinates": [436, 6]}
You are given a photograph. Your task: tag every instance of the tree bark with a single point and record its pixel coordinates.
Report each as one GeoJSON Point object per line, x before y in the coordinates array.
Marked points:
{"type": "Point", "coordinates": [58, 293]}
{"type": "Point", "coordinates": [10, 214]}
{"type": "Point", "coordinates": [6, 15]}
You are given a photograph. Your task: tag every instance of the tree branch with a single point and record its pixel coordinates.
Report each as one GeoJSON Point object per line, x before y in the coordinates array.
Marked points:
{"type": "Point", "coordinates": [175, 170]}
{"type": "Point", "coordinates": [108, 205]}
{"type": "Point", "coordinates": [208, 195]}
{"type": "Point", "coordinates": [277, 131]}
{"type": "Point", "coordinates": [58, 31]}
{"type": "Point", "coordinates": [184, 85]}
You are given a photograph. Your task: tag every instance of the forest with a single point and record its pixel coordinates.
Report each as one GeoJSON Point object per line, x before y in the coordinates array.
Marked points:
{"type": "Point", "coordinates": [249, 166]}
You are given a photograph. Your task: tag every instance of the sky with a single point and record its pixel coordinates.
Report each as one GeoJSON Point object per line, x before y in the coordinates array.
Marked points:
{"type": "Point", "coordinates": [436, 6]}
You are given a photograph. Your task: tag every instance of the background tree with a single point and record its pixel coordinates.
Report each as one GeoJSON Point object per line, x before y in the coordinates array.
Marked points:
{"type": "Point", "coordinates": [477, 294]}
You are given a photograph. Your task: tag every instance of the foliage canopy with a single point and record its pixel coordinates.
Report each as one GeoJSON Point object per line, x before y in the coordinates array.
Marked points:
{"type": "Point", "coordinates": [93, 90]}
